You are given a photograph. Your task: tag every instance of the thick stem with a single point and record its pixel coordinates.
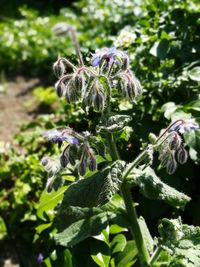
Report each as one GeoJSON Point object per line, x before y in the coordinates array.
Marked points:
{"type": "Point", "coordinates": [136, 162]}
{"type": "Point", "coordinates": [155, 256]}
{"type": "Point", "coordinates": [112, 147]}
{"type": "Point", "coordinates": [135, 228]}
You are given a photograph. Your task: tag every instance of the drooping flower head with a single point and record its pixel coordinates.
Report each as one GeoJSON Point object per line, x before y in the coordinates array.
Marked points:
{"type": "Point", "coordinates": [61, 135]}
{"type": "Point", "coordinates": [110, 55]}
{"type": "Point", "coordinates": [184, 126]}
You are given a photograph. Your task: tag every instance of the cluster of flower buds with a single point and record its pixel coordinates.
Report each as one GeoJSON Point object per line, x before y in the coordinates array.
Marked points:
{"type": "Point", "coordinates": [172, 149]}
{"type": "Point", "coordinates": [76, 150]}
{"type": "Point", "coordinates": [84, 83]}
{"type": "Point", "coordinates": [95, 96]}
{"type": "Point", "coordinates": [87, 159]}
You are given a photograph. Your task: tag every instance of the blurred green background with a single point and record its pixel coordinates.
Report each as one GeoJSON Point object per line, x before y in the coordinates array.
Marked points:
{"type": "Point", "coordinates": [163, 41]}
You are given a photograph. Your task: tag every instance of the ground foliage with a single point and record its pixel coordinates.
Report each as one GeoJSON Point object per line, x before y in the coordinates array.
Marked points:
{"type": "Point", "coordinates": [164, 47]}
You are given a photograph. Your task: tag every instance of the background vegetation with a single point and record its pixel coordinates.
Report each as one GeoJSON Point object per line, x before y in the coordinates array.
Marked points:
{"type": "Point", "coordinates": [163, 41]}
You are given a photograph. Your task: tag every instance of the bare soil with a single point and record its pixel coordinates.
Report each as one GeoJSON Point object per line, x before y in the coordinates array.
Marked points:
{"type": "Point", "coordinates": [12, 106]}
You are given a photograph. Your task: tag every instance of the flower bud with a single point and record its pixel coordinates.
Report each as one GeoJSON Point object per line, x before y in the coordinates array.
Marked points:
{"type": "Point", "coordinates": [92, 164]}
{"type": "Point", "coordinates": [98, 101]}
{"type": "Point", "coordinates": [59, 68]}
{"type": "Point", "coordinates": [131, 90]}
{"type": "Point", "coordinates": [125, 62]}
{"type": "Point", "coordinates": [152, 138]}
{"type": "Point", "coordinates": [60, 88]}
{"type": "Point", "coordinates": [71, 94]}
{"type": "Point", "coordinates": [171, 165]}
{"type": "Point", "coordinates": [61, 28]}
{"type": "Point", "coordinates": [79, 82]}
{"type": "Point", "coordinates": [182, 155]}
{"type": "Point", "coordinates": [64, 160]}
{"type": "Point", "coordinates": [44, 161]}
{"type": "Point", "coordinates": [82, 168]}
{"type": "Point", "coordinates": [174, 141]}
{"type": "Point", "coordinates": [72, 155]}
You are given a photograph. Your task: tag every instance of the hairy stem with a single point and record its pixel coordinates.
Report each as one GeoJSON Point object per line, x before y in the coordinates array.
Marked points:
{"type": "Point", "coordinates": [135, 228]}
{"type": "Point", "coordinates": [76, 45]}
{"type": "Point", "coordinates": [136, 162]}
{"type": "Point", "coordinates": [112, 147]}
{"type": "Point", "coordinates": [155, 256]}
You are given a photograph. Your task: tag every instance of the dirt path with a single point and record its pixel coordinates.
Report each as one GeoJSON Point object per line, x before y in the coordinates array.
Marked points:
{"type": "Point", "coordinates": [12, 106]}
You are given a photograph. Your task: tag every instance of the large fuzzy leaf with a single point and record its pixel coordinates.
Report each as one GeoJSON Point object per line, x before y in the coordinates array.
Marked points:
{"type": "Point", "coordinates": [181, 241]}
{"type": "Point", "coordinates": [76, 224]}
{"type": "Point", "coordinates": [95, 190]}
{"type": "Point", "coordinates": [152, 187]}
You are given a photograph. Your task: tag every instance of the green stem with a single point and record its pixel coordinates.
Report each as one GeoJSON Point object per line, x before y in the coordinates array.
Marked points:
{"type": "Point", "coordinates": [112, 146]}
{"type": "Point", "coordinates": [136, 162]}
{"type": "Point", "coordinates": [155, 256]}
{"type": "Point", "coordinates": [76, 46]}
{"type": "Point", "coordinates": [135, 228]}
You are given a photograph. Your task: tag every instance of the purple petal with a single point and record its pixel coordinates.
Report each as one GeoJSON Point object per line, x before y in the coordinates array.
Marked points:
{"type": "Point", "coordinates": [96, 61]}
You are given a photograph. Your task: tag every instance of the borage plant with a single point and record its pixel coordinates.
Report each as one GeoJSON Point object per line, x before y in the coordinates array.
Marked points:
{"type": "Point", "coordinates": [94, 184]}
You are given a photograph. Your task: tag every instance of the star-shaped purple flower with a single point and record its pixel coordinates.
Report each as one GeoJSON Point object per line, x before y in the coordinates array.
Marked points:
{"type": "Point", "coordinates": [185, 126]}
{"type": "Point", "coordinates": [109, 54]}
{"type": "Point", "coordinates": [59, 136]}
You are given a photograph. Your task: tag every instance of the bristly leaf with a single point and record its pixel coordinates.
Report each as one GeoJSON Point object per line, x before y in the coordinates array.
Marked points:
{"type": "Point", "coordinates": [115, 123]}
{"type": "Point", "coordinates": [76, 224]}
{"type": "Point", "coordinates": [152, 187]}
{"type": "Point", "coordinates": [181, 241]}
{"type": "Point", "coordinates": [95, 190]}
{"type": "Point", "coordinates": [83, 228]}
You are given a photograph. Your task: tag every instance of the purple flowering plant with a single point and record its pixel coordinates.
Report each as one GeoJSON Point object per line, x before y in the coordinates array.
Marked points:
{"type": "Point", "coordinates": [100, 175]}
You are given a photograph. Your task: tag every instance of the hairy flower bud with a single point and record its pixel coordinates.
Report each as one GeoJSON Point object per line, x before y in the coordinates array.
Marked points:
{"type": "Point", "coordinates": [60, 88]}
{"type": "Point", "coordinates": [98, 101]}
{"type": "Point", "coordinates": [72, 155]}
{"type": "Point", "coordinates": [92, 164]}
{"type": "Point", "coordinates": [44, 161]}
{"type": "Point", "coordinates": [164, 158]}
{"type": "Point", "coordinates": [59, 68]}
{"type": "Point", "coordinates": [71, 93]}
{"type": "Point", "coordinates": [171, 165]}
{"type": "Point", "coordinates": [125, 62]}
{"type": "Point", "coordinates": [64, 160]}
{"type": "Point", "coordinates": [174, 141]}
{"type": "Point", "coordinates": [61, 28]}
{"type": "Point", "coordinates": [182, 155]}
{"type": "Point", "coordinates": [79, 82]}
{"type": "Point", "coordinates": [131, 90]}
{"type": "Point", "coordinates": [82, 168]}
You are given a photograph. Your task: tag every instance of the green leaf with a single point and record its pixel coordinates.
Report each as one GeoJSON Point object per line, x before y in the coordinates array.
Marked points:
{"type": "Point", "coordinates": [128, 256]}
{"type": "Point", "coordinates": [115, 123]}
{"type": "Point", "coordinates": [76, 223]}
{"type": "Point", "coordinates": [181, 241]}
{"type": "Point", "coordinates": [194, 105]}
{"type": "Point", "coordinates": [48, 201]}
{"type": "Point", "coordinates": [152, 187]}
{"type": "Point", "coordinates": [83, 228]}
{"type": "Point", "coordinates": [118, 243]}
{"type": "Point", "coordinates": [192, 139]}
{"type": "Point", "coordinates": [194, 74]}
{"type": "Point", "coordinates": [101, 259]}
{"type": "Point", "coordinates": [159, 49]}
{"type": "Point", "coordinates": [146, 235]}
{"type": "Point", "coordinates": [94, 190]}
